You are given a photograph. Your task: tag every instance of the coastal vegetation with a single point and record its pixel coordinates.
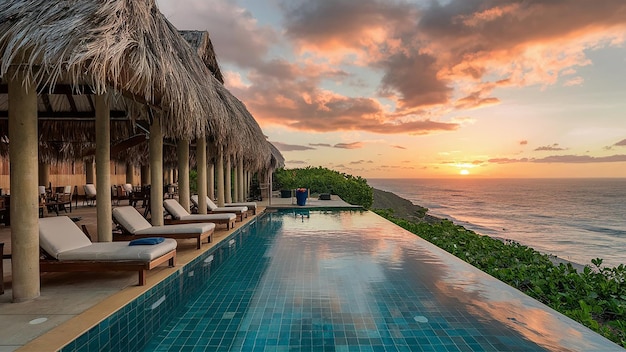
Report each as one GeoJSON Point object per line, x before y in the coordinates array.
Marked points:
{"type": "Point", "coordinates": [352, 189]}
{"type": "Point", "coordinates": [595, 296]}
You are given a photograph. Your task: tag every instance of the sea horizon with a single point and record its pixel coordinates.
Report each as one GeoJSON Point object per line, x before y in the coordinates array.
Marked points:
{"type": "Point", "coordinates": [576, 219]}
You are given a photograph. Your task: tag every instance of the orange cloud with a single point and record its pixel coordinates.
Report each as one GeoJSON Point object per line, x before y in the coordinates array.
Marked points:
{"type": "Point", "coordinates": [425, 58]}
{"type": "Point", "coordinates": [466, 43]}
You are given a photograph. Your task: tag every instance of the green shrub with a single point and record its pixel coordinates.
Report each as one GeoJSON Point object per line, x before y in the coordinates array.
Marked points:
{"type": "Point", "coordinates": [351, 189]}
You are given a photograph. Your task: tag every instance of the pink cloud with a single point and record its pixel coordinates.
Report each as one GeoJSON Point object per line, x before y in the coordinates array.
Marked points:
{"type": "Point", "coordinates": [235, 33]}
{"type": "Point", "coordinates": [428, 58]}
{"type": "Point", "coordinates": [463, 42]}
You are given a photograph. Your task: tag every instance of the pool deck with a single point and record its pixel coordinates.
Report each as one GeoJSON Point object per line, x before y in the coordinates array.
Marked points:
{"type": "Point", "coordinates": [72, 303]}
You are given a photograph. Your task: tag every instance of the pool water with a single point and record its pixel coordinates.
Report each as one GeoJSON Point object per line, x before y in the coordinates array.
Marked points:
{"type": "Point", "coordinates": [352, 281]}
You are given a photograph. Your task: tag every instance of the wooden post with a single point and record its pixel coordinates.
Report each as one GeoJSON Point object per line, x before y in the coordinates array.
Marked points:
{"type": "Point", "coordinates": [229, 187]}
{"type": "Point", "coordinates": [201, 167]}
{"type": "Point", "coordinates": [240, 179]}
{"type": "Point", "coordinates": [145, 175]}
{"type": "Point", "coordinates": [89, 172]}
{"type": "Point", "coordinates": [210, 184]}
{"type": "Point", "coordinates": [156, 173]}
{"type": "Point", "coordinates": [130, 173]}
{"type": "Point", "coordinates": [182, 150]}
{"type": "Point", "coordinates": [44, 174]}
{"type": "Point", "coordinates": [103, 169]}
{"type": "Point", "coordinates": [235, 179]}
{"type": "Point", "coordinates": [24, 188]}
{"type": "Point", "coordinates": [219, 166]}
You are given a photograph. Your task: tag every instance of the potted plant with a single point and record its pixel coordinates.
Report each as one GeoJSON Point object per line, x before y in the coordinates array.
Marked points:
{"type": "Point", "coordinates": [285, 181]}
{"type": "Point", "coordinates": [301, 195]}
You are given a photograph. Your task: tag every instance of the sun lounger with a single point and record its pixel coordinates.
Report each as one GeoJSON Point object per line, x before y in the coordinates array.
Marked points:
{"type": "Point", "coordinates": [136, 226]}
{"type": "Point", "coordinates": [66, 249]}
{"type": "Point", "coordinates": [242, 212]}
{"type": "Point", "coordinates": [250, 205]}
{"type": "Point", "coordinates": [90, 193]}
{"type": "Point", "coordinates": [182, 216]}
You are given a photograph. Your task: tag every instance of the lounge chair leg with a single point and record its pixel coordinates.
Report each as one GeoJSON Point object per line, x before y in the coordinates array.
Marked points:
{"type": "Point", "coordinates": [199, 243]}
{"type": "Point", "coordinates": [142, 277]}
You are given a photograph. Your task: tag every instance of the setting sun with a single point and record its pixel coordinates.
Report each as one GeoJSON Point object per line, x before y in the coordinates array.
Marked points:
{"type": "Point", "coordinates": [464, 172]}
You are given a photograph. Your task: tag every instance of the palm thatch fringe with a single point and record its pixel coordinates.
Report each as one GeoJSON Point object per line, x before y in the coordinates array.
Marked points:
{"type": "Point", "coordinates": [124, 46]}
{"type": "Point", "coordinates": [246, 139]}
{"type": "Point", "coordinates": [277, 160]}
{"type": "Point", "coordinates": [201, 41]}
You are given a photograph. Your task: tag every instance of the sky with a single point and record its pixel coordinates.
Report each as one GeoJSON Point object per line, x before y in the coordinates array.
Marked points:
{"type": "Point", "coordinates": [428, 88]}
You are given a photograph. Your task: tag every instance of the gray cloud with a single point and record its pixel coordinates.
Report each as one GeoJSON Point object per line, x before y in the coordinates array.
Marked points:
{"type": "Point", "coordinates": [581, 159]}
{"type": "Point", "coordinates": [621, 143]}
{"type": "Point", "coordinates": [569, 159]}
{"type": "Point", "coordinates": [320, 145]}
{"type": "Point", "coordinates": [283, 147]}
{"type": "Point", "coordinates": [354, 145]}
{"type": "Point", "coordinates": [550, 148]}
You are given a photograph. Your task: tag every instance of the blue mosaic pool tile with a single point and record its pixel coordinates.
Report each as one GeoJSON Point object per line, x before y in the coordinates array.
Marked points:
{"type": "Point", "coordinates": [132, 327]}
{"type": "Point", "coordinates": [318, 283]}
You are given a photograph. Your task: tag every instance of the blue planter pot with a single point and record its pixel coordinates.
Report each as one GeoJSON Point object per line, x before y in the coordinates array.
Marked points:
{"type": "Point", "coordinates": [301, 197]}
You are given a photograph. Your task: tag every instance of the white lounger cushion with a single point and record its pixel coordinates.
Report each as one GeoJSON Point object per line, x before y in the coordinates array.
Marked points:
{"type": "Point", "coordinates": [61, 238]}
{"type": "Point", "coordinates": [179, 213]}
{"type": "Point", "coordinates": [90, 189]}
{"type": "Point", "coordinates": [116, 251]}
{"type": "Point", "coordinates": [213, 207]}
{"type": "Point", "coordinates": [249, 205]}
{"type": "Point", "coordinates": [134, 223]}
{"type": "Point", "coordinates": [60, 234]}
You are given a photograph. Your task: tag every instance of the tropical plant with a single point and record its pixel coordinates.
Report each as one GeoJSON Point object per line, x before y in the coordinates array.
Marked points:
{"type": "Point", "coordinates": [352, 189]}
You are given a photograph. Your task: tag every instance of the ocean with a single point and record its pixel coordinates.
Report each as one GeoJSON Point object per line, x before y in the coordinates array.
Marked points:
{"type": "Point", "coordinates": [574, 219]}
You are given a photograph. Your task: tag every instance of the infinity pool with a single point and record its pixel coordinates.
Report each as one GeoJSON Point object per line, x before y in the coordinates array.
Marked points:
{"type": "Point", "coordinates": [352, 281]}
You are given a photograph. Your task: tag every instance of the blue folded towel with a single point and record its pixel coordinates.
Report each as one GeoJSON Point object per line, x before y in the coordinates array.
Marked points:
{"type": "Point", "coordinates": [146, 241]}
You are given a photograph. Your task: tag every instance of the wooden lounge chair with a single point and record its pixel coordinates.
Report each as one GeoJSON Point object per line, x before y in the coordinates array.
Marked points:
{"type": "Point", "coordinates": [64, 199]}
{"type": "Point", "coordinates": [90, 193]}
{"type": "Point", "coordinates": [250, 205]}
{"type": "Point", "coordinates": [134, 225]}
{"type": "Point", "coordinates": [181, 216]}
{"type": "Point", "coordinates": [66, 248]}
{"type": "Point", "coordinates": [241, 212]}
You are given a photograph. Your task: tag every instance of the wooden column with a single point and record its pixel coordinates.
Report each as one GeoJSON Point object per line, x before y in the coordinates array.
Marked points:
{"type": "Point", "coordinates": [145, 175]}
{"type": "Point", "coordinates": [210, 183]}
{"type": "Point", "coordinates": [229, 187]}
{"type": "Point", "coordinates": [219, 166]}
{"type": "Point", "coordinates": [167, 179]}
{"type": "Point", "coordinates": [156, 173]}
{"type": "Point", "coordinates": [182, 150]}
{"type": "Point", "coordinates": [24, 188]}
{"type": "Point", "coordinates": [201, 167]}
{"type": "Point", "coordinates": [130, 174]}
{"type": "Point", "coordinates": [44, 174]}
{"type": "Point", "coordinates": [235, 179]}
{"type": "Point", "coordinates": [103, 169]}
{"type": "Point", "coordinates": [90, 176]}
{"type": "Point", "coordinates": [240, 178]}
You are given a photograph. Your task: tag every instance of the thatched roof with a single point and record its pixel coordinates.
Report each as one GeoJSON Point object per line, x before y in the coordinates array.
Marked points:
{"type": "Point", "coordinates": [245, 138]}
{"type": "Point", "coordinates": [277, 160]}
{"type": "Point", "coordinates": [67, 124]}
{"type": "Point", "coordinates": [122, 47]}
{"type": "Point", "coordinates": [201, 41]}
